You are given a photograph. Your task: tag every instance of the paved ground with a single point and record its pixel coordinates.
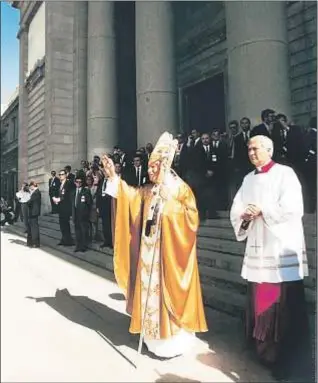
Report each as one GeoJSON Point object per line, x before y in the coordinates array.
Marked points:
{"type": "Point", "coordinates": [63, 320]}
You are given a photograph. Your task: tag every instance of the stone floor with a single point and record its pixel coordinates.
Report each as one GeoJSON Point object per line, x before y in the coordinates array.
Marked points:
{"type": "Point", "coordinates": [64, 320]}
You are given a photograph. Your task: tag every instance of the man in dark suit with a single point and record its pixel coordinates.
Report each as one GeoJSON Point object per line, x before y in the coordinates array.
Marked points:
{"type": "Point", "coordinates": [149, 150]}
{"type": "Point", "coordinates": [265, 128]}
{"type": "Point", "coordinates": [136, 175]}
{"type": "Point", "coordinates": [242, 163]}
{"type": "Point", "coordinates": [289, 146]}
{"type": "Point", "coordinates": [64, 202]}
{"type": "Point", "coordinates": [54, 185]}
{"type": "Point", "coordinates": [181, 157]}
{"type": "Point", "coordinates": [219, 166]}
{"type": "Point", "coordinates": [207, 191]}
{"type": "Point", "coordinates": [103, 205]}
{"type": "Point", "coordinates": [194, 139]}
{"type": "Point", "coordinates": [34, 205]}
{"type": "Point", "coordinates": [70, 176]}
{"type": "Point", "coordinates": [82, 204]}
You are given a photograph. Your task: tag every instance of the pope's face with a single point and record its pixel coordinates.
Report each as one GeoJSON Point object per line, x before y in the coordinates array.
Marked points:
{"type": "Point", "coordinates": [257, 154]}
{"type": "Point", "coordinates": [154, 170]}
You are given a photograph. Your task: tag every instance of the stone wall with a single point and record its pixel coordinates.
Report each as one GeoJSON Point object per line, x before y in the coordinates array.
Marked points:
{"type": "Point", "coordinates": [200, 41]}
{"type": "Point", "coordinates": [35, 87]}
{"type": "Point", "coordinates": [302, 38]}
{"type": "Point", "coordinates": [65, 85]}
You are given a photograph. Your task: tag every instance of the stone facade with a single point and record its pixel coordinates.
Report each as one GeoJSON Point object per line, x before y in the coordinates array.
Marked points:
{"type": "Point", "coordinates": [302, 46]}
{"type": "Point", "coordinates": [9, 149]}
{"type": "Point", "coordinates": [122, 72]}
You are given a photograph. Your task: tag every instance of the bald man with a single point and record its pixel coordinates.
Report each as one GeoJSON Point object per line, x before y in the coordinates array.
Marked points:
{"type": "Point", "coordinates": [267, 211]}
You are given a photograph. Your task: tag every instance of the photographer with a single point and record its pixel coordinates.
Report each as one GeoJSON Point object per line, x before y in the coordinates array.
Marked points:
{"type": "Point", "coordinates": [23, 196]}
{"type": "Point", "coordinates": [194, 139]}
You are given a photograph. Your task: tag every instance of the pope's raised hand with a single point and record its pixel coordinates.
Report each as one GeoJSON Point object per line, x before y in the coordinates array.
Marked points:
{"type": "Point", "coordinates": [108, 166]}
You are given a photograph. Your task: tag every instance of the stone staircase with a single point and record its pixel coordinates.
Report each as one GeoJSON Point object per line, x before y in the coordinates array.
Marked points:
{"type": "Point", "coordinates": [219, 254]}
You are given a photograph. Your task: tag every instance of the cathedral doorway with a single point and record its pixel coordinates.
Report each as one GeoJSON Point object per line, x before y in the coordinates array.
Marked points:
{"type": "Point", "coordinates": [203, 106]}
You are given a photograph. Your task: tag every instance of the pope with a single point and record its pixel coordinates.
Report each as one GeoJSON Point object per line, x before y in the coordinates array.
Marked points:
{"type": "Point", "coordinates": [155, 259]}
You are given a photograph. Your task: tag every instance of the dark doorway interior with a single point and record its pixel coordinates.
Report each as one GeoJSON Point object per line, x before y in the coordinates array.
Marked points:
{"type": "Point", "coordinates": [126, 73]}
{"type": "Point", "coordinates": [204, 105]}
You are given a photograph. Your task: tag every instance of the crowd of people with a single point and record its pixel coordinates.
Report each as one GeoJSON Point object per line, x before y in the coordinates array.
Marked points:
{"type": "Point", "coordinates": [213, 164]}
{"type": "Point", "coordinates": [158, 195]}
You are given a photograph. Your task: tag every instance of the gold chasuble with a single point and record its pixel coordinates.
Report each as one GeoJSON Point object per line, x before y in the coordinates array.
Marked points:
{"type": "Point", "coordinates": [175, 300]}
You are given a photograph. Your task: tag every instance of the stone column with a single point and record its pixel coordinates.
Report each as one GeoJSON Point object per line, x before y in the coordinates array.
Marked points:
{"type": "Point", "coordinates": [101, 79]}
{"type": "Point", "coordinates": [155, 71]}
{"type": "Point", "coordinates": [80, 81]}
{"type": "Point", "coordinates": [23, 107]}
{"type": "Point", "coordinates": [257, 58]}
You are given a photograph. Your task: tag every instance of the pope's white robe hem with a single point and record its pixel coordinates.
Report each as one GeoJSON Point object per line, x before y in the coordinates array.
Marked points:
{"type": "Point", "coordinates": [171, 347]}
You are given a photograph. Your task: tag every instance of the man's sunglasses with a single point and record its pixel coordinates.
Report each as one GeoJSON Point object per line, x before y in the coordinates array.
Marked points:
{"type": "Point", "coordinates": [62, 174]}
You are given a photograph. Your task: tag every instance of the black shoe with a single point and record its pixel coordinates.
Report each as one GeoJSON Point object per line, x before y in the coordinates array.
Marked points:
{"type": "Point", "coordinates": [60, 244]}
{"type": "Point", "coordinates": [77, 250]}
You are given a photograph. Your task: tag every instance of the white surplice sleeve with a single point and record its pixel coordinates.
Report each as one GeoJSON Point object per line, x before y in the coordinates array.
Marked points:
{"type": "Point", "coordinates": [237, 210]}
{"type": "Point", "coordinates": [289, 204]}
{"type": "Point", "coordinates": [112, 187]}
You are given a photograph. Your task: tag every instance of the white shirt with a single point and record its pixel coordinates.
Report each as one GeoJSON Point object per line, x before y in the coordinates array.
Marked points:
{"type": "Point", "coordinates": [275, 249]}
{"type": "Point", "coordinates": [138, 168]}
{"type": "Point", "coordinates": [23, 196]}
{"type": "Point", "coordinates": [215, 144]}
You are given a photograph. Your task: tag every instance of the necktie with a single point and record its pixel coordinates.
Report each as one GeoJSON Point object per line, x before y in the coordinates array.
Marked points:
{"type": "Point", "coordinates": [138, 175]}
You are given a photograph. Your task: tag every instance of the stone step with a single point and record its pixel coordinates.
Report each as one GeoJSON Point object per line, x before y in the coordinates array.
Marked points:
{"type": "Point", "coordinates": [222, 286]}
{"type": "Point", "coordinates": [215, 265]}
{"type": "Point", "coordinates": [222, 229]}
{"type": "Point", "coordinates": [224, 217]}
{"type": "Point", "coordinates": [210, 226]}
{"type": "Point", "coordinates": [233, 263]}
{"type": "Point", "coordinates": [223, 300]}
{"type": "Point", "coordinates": [102, 258]}
{"type": "Point", "coordinates": [228, 233]}
{"type": "Point", "coordinates": [223, 250]}
{"type": "Point", "coordinates": [235, 247]}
